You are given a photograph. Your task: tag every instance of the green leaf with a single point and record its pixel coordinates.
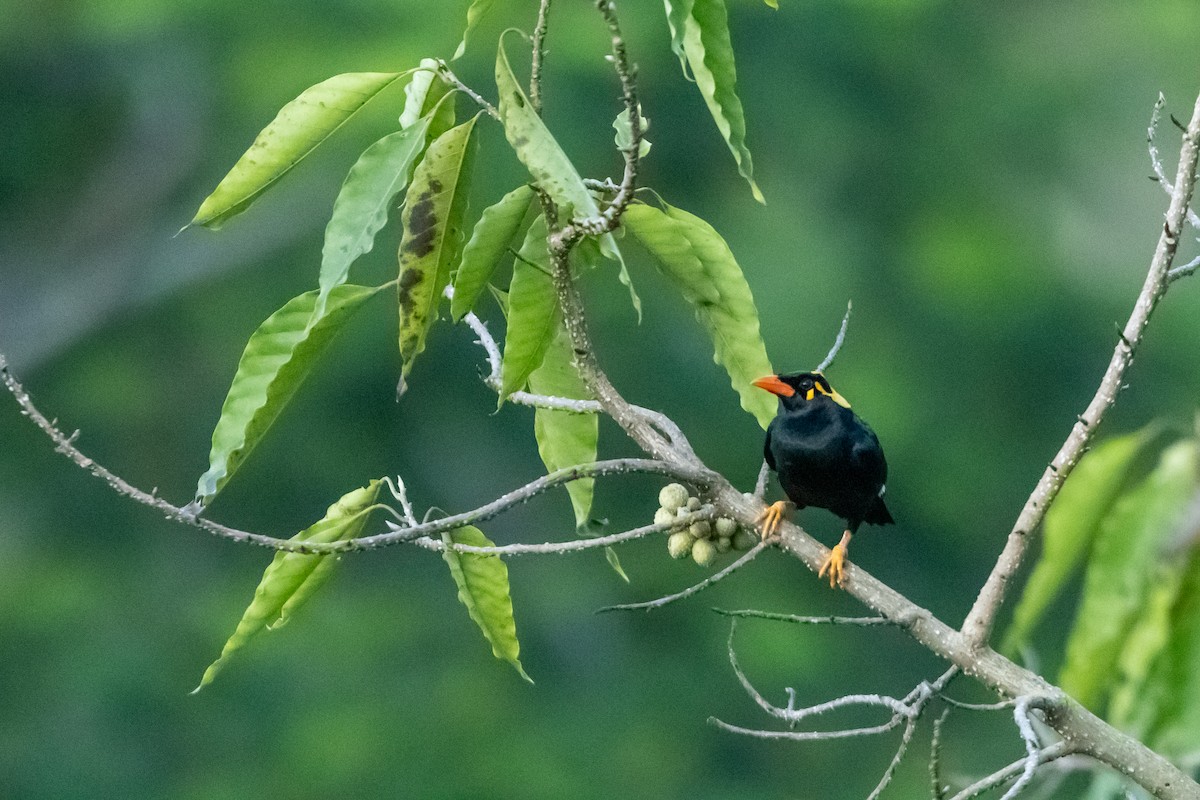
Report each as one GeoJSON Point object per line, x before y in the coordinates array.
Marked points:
{"type": "Point", "coordinates": [1124, 560]}
{"type": "Point", "coordinates": [434, 214]}
{"type": "Point", "coordinates": [624, 135]}
{"type": "Point", "coordinates": [497, 227]}
{"type": "Point", "coordinates": [709, 53]}
{"type": "Point", "coordinates": [475, 13]}
{"type": "Point", "coordinates": [772, 3]}
{"type": "Point", "coordinates": [678, 14]}
{"type": "Point", "coordinates": [277, 359]}
{"type": "Point", "coordinates": [423, 97]}
{"type": "Point", "coordinates": [361, 208]}
{"type": "Point", "coordinates": [613, 561]}
{"type": "Point", "coordinates": [698, 260]}
{"type": "Point", "coordinates": [1071, 525]}
{"type": "Point", "coordinates": [532, 311]}
{"type": "Point", "coordinates": [295, 132]}
{"type": "Point", "coordinates": [1173, 690]}
{"type": "Point", "coordinates": [482, 581]}
{"type": "Point", "coordinates": [537, 149]}
{"type": "Point", "coordinates": [289, 578]}
{"type": "Point", "coordinates": [564, 438]}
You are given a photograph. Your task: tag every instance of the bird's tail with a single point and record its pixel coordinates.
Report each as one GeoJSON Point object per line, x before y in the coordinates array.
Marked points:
{"type": "Point", "coordinates": [879, 514]}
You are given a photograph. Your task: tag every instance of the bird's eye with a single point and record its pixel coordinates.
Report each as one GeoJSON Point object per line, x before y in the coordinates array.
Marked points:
{"type": "Point", "coordinates": [805, 385]}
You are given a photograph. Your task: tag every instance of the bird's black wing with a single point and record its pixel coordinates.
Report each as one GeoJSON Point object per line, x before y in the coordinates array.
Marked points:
{"type": "Point", "coordinates": [872, 466]}
{"type": "Point", "coordinates": [767, 454]}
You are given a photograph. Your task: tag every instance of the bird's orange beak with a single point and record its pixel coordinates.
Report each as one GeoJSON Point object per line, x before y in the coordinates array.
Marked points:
{"type": "Point", "coordinates": [775, 386]}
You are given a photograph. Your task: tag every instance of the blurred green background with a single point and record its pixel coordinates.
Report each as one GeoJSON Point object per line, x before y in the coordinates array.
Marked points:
{"type": "Point", "coordinates": [973, 176]}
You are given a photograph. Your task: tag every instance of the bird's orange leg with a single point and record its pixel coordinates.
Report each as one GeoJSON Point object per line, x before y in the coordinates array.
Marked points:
{"type": "Point", "coordinates": [835, 562]}
{"type": "Point", "coordinates": [770, 518]}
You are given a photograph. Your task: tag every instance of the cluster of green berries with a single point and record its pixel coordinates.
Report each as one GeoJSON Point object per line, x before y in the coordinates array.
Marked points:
{"type": "Point", "coordinates": [703, 539]}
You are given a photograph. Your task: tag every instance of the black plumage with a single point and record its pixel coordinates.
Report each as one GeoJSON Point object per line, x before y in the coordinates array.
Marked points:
{"type": "Point", "coordinates": [825, 456]}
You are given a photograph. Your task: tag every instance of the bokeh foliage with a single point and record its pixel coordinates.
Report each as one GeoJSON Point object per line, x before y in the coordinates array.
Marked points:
{"type": "Point", "coordinates": [972, 176]}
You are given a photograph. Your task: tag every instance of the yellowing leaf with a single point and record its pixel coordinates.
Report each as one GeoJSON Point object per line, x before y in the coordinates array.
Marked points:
{"type": "Point", "coordinates": [434, 214]}
{"type": "Point", "coordinates": [291, 578]}
{"type": "Point", "coordinates": [296, 131]}
{"type": "Point", "coordinates": [697, 260]}
{"type": "Point", "coordinates": [497, 227]}
{"type": "Point", "coordinates": [277, 360]}
{"type": "Point", "coordinates": [482, 581]}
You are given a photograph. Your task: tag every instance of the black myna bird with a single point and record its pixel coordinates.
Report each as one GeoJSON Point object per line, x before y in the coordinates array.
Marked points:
{"type": "Point", "coordinates": [825, 457]}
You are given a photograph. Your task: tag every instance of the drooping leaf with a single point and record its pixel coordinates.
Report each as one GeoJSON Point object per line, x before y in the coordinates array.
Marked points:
{"type": "Point", "coordinates": [497, 227]}
{"type": "Point", "coordinates": [434, 214]}
{"type": "Point", "coordinates": [709, 53]}
{"type": "Point", "coordinates": [1071, 524]}
{"type": "Point", "coordinates": [538, 150]}
{"type": "Point", "coordinates": [587, 259]}
{"type": "Point", "coordinates": [361, 208]}
{"type": "Point", "coordinates": [277, 359]}
{"type": "Point", "coordinates": [699, 262]}
{"type": "Point", "coordinates": [624, 133]}
{"type": "Point", "coordinates": [482, 581]}
{"type": "Point", "coordinates": [532, 311]}
{"type": "Point", "coordinates": [1173, 690]}
{"type": "Point", "coordinates": [474, 13]}
{"type": "Point", "coordinates": [289, 578]}
{"type": "Point", "coordinates": [1123, 562]}
{"type": "Point", "coordinates": [772, 3]}
{"type": "Point", "coordinates": [678, 13]}
{"type": "Point", "coordinates": [295, 132]}
{"type": "Point", "coordinates": [614, 561]}
{"type": "Point", "coordinates": [564, 438]}
{"type": "Point", "coordinates": [423, 96]}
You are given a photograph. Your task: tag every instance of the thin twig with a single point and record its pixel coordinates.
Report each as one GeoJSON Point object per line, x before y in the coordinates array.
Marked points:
{"type": "Point", "coordinates": [978, 624]}
{"type": "Point", "coordinates": [572, 546]}
{"type": "Point", "coordinates": [935, 758]}
{"type": "Point", "coordinates": [859, 621]}
{"type": "Point", "coordinates": [1045, 756]}
{"type": "Point", "coordinates": [535, 70]}
{"type": "Point", "coordinates": [1160, 174]}
{"type": "Point", "coordinates": [749, 556]}
{"type": "Point", "coordinates": [837, 343]}
{"type": "Point", "coordinates": [910, 728]}
{"type": "Point", "coordinates": [1184, 271]}
{"type": "Point", "coordinates": [1033, 747]}
{"type": "Point", "coordinates": [448, 75]}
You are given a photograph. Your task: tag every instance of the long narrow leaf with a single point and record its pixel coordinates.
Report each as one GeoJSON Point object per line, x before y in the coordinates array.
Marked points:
{"type": "Point", "coordinates": [291, 578]}
{"type": "Point", "coordinates": [296, 131]}
{"type": "Point", "coordinates": [497, 227]}
{"type": "Point", "coordinates": [532, 312]}
{"type": "Point", "coordinates": [1173, 691]}
{"type": "Point", "coordinates": [564, 438]}
{"type": "Point", "coordinates": [361, 208]}
{"type": "Point", "coordinates": [434, 214]}
{"type": "Point", "coordinates": [423, 97]}
{"type": "Point", "coordinates": [1071, 525]}
{"type": "Point", "coordinates": [697, 259]}
{"type": "Point", "coordinates": [709, 52]}
{"type": "Point", "coordinates": [678, 13]}
{"type": "Point", "coordinates": [277, 359]}
{"type": "Point", "coordinates": [541, 154]}
{"type": "Point", "coordinates": [1124, 559]}
{"type": "Point", "coordinates": [482, 582]}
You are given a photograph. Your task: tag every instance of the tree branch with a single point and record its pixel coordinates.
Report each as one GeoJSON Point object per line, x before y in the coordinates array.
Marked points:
{"type": "Point", "coordinates": [746, 558]}
{"type": "Point", "coordinates": [535, 69]}
{"type": "Point", "coordinates": [978, 625]}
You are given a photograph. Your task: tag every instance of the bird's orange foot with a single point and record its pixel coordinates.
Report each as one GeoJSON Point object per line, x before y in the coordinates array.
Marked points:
{"type": "Point", "coordinates": [835, 565]}
{"type": "Point", "coordinates": [770, 518]}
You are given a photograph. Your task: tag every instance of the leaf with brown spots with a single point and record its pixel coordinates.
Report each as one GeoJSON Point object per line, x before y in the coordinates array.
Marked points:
{"type": "Point", "coordinates": [434, 219]}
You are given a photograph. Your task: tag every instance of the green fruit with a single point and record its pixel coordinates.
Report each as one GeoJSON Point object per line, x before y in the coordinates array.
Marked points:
{"type": "Point", "coordinates": [724, 544]}
{"type": "Point", "coordinates": [680, 544]}
{"type": "Point", "coordinates": [704, 552]}
{"type": "Point", "coordinates": [693, 504]}
{"type": "Point", "coordinates": [744, 540]}
{"type": "Point", "coordinates": [663, 516]}
{"type": "Point", "coordinates": [672, 497]}
{"type": "Point", "coordinates": [726, 527]}
{"type": "Point", "coordinates": [701, 529]}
